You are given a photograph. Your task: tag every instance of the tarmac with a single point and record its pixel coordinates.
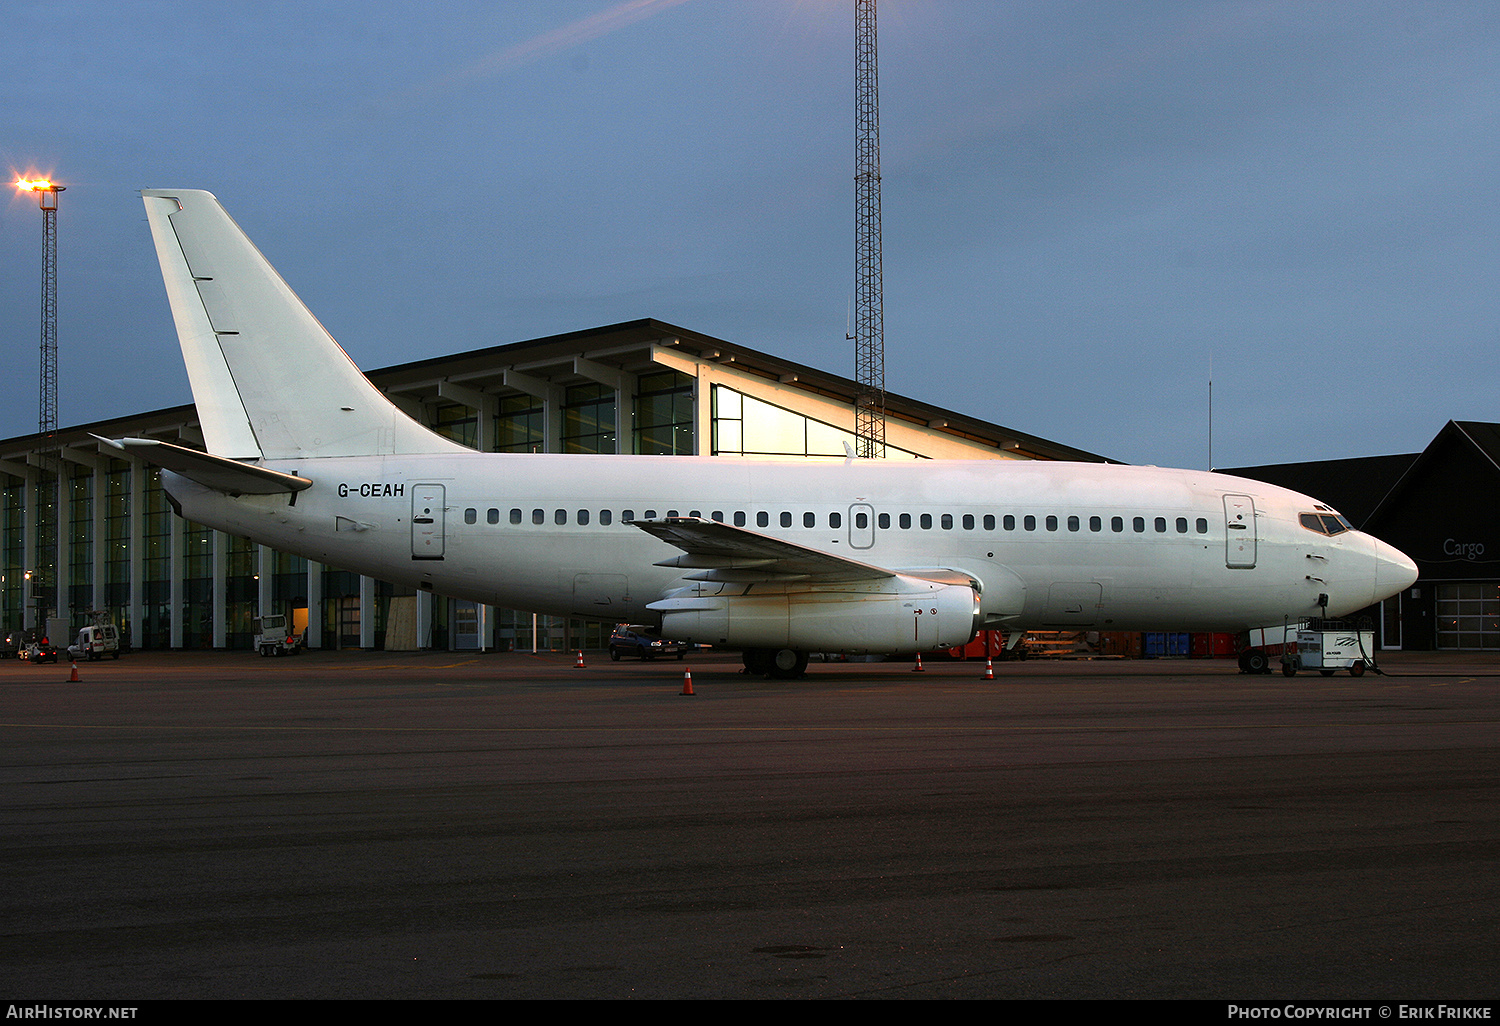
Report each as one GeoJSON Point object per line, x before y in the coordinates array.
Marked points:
{"type": "Point", "coordinates": [371, 825]}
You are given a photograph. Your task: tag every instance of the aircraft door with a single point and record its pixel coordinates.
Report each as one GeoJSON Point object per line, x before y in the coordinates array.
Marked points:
{"type": "Point", "coordinates": [861, 525]}
{"type": "Point", "coordinates": [1240, 537]}
{"type": "Point", "coordinates": [427, 521]}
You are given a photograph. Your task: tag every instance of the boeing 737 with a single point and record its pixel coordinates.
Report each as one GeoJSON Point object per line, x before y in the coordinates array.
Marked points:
{"type": "Point", "coordinates": [776, 559]}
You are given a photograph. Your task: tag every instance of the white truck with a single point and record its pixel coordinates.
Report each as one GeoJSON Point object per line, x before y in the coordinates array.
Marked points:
{"type": "Point", "coordinates": [272, 637]}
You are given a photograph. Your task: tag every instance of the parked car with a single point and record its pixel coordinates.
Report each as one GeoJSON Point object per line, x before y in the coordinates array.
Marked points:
{"type": "Point", "coordinates": [10, 645]}
{"type": "Point", "coordinates": [629, 639]}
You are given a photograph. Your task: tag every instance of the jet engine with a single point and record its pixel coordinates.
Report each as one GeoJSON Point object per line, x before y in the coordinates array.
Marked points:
{"type": "Point", "coordinates": [891, 615]}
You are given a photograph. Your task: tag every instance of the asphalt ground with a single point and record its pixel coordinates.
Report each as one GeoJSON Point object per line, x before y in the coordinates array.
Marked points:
{"type": "Point", "coordinates": [444, 825]}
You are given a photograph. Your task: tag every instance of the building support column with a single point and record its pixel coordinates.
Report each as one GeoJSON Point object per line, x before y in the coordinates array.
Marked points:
{"type": "Point", "coordinates": [367, 600]}
{"type": "Point", "coordinates": [314, 604]}
{"type": "Point", "coordinates": [219, 601]}
{"type": "Point", "coordinates": [178, 565]}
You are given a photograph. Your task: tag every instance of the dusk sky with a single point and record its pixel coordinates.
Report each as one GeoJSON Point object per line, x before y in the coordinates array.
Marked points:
{"type": "Point", "coordinates": [1089, 208]}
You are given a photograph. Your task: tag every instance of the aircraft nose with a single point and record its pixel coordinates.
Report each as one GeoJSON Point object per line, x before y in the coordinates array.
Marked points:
{"type": "Point", "coordinates": [1394, 571]}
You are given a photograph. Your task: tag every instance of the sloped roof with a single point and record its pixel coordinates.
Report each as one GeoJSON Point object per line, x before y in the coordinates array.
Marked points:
{"type": "Point", "coordinates": [1355, 487]}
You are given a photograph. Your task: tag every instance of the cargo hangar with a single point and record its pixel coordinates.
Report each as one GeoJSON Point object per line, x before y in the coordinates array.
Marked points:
{"type": "Point", "coordinates": [87, 532]}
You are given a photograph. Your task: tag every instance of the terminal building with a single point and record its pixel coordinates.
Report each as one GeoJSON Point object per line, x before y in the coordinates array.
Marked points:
{"type": "Point", "coordinates": [86, 532]}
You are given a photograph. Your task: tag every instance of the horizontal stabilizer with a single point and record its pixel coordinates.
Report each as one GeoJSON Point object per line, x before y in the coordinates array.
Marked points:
{"type": "Point", "coordinates": [217, 472]}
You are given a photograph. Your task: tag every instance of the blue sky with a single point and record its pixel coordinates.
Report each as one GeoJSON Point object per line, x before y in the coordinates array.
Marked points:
{"type": "Point", "coordinates": [1088, 208]}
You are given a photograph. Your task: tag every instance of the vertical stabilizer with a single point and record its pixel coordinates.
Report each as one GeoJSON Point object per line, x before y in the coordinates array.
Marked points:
{"type": "Point", "coordinates": [267, 379]}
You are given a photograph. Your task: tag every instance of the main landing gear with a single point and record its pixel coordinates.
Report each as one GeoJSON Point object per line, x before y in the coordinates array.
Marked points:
{"type": "Point", "coordinates": [776, 663]}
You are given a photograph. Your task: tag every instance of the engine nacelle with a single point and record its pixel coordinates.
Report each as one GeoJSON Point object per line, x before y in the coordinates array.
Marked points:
{"type": "Point", "coordinates": [893, 615]}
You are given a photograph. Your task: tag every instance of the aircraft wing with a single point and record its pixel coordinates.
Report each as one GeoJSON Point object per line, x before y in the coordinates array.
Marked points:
{"type": "Point", "coordinates": [217, 472]}
{"type": "Point", "coordinates": [735, 555]}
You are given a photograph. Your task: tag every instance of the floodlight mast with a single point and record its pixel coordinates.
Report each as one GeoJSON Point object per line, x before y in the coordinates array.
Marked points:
{"type": "Point", "coordinates": [869, 315]}
{"type": "Point", "coordinates": [46, 196]}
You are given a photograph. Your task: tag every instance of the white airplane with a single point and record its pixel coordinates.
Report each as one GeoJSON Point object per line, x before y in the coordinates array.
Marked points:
{"type": "Point", "coordinates": [777, 559]}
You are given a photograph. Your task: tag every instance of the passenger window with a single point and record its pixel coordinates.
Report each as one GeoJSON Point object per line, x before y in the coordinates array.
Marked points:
{"type": "Point", "coordinates": [809, 520]}
{"type": "Point", "coordinates": [834, 520]}
{"type": "Point", "coordinates": [560, 517]}
{"type": "Point", "coordinates": [671, 513]}
{"type": "Point", "coordinates": [515, 516]}
{"type": "Point", "coordinates": [884, 521]}
{"type": "Point", "coordinates": [538, 516]}
{"type": "Point", "coordinates": [947, 521]}
{"type": "Point", "coordinates": [627, 516]}
{"type": "Point", "coordinates": [1117, 524]}
{"type": "Point", "coordinates": [1009, 522]}
{"type": "Point", "coordinates": [786, 519]}
{"type": "Point", "coordinates": [717, 516]}
{"type": "Point", "coordinates": [1096, 524]}
{"type": "Point", "coordinates": [762, 519]}
{"type": "Point", "coordinates": [471, 515]}
{"type": "Point", "coordinates": [1182, 525]}
{"type": "Point", "coordinates": [1073, 523]}
{"type": "Point", "coordinates": [905, 521]}
{"type": "Point", "coordinates": [583, 517]}
{"type": "Point", "coordinates": [1029, 523]}
{"type": "Point", "coordinates": [926, 521]}
{"type": "Point", "coordinates": [1202, 526]}
{"type": "Point", "coordinates": [1051, 523]}
{"type": "Point", "coordinates": [1139, 523]}
{"type": "Point", "coordinates": [861, 520]}
{"type": "Point", "coordinates": [1161, 525]}
{"type": "Point", "coordinates": [493, 516]}
{"type": "Point", "coordinates": [989, 521]}
{"type": "Point", "coordinates": [605, 517]}
{"type": "Point", "coordinates": [739, 518]}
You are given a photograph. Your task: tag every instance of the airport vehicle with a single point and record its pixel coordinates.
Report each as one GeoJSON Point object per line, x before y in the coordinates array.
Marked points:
{"type": "Point", "coordinates": [95, 642]}
{"type": "Point", "coordinates": [775, 558]}
{"type": "Point", "coordinates": [272, 637]}
{"type": "Point", "coordinates": [37, 647]}
{"type": "Point", "coordinates": [633, 640]}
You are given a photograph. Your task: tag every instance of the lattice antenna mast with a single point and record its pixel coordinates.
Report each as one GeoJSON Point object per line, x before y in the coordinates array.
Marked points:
{"type": "Point", "coordinates": [46, 195]}
{"type": "Point", "coordinates": [869, 313]}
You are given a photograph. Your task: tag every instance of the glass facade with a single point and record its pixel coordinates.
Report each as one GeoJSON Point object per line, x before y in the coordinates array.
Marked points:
{"type": "Point", "coordinates": [746, 426]}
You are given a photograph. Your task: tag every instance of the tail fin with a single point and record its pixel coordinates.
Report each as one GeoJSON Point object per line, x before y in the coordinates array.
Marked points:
{"type": "Point", "coordinates": [267, 379]}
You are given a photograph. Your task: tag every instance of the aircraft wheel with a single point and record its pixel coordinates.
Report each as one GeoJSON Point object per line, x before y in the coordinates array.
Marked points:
{"type": "Point", "coordinates": [788, 664]}
{"type": "Point", "coordinates": [758, 661]}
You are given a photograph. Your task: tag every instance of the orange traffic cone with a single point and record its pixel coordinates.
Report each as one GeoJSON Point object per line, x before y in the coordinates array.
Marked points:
{"type": "Point", "coordinates": [579, 664]}
{"type": "Point", "coordinates": [918, 667]}
{"type": "Point", "coordinates": [989, 669]}
{"type": "Point", "coordinates": [74, 679]}
{"type": "Point", "coordinates": [687, 682]}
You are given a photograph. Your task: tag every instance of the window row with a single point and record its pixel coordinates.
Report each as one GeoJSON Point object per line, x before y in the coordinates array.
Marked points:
{"type": "Point", "coordinates": [862, 520]}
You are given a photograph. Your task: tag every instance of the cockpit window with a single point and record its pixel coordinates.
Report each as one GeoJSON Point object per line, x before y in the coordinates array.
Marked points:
{"type": "Point", "coordinates": [1324, 523]}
